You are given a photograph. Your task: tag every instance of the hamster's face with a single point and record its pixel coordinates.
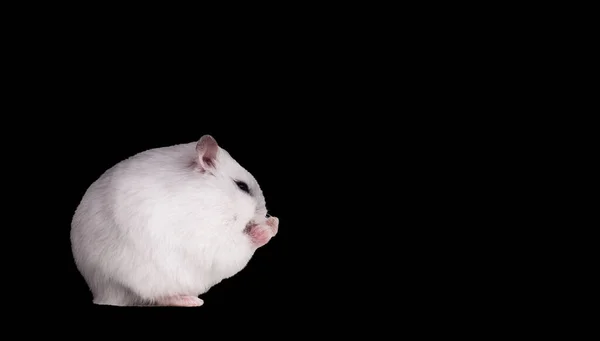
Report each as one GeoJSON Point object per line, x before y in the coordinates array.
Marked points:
{"type": "Point", "coordinates": [243, 189]}
{"type": "Point", "coordinates": [240, 187]}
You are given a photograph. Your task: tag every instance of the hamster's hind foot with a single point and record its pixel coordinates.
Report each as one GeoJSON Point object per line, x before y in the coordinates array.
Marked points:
{"type": "Point", "coordinates": [181, 301]}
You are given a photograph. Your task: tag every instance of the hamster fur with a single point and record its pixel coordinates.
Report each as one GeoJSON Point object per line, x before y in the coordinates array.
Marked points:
{"type": "Point", "coordinates": [167, 222]}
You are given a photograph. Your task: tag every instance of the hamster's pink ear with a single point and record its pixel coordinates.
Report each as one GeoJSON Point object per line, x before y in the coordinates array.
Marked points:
{"type": "Point", "coordinates": [207, 149]}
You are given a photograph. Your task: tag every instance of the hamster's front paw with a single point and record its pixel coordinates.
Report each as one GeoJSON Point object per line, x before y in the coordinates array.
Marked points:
{"type": "Point", "coordinates": [261, 234]}
{"type": "Point", "coordinates": [273, 223]}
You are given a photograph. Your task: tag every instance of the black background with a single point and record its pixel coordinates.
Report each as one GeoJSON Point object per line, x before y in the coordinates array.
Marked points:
{"type": "Point", "coordinates": [367, 133]}
{"type": "Point", "coordinates": [333, 138]}
{"type": "Point", "coordinates": [317, 175]}
{"type": "Point", "coordinates": [350, 186]}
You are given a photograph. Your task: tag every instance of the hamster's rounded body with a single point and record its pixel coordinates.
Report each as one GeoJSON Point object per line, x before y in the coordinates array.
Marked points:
{"type": "Point", "coordinates": [166, 223]}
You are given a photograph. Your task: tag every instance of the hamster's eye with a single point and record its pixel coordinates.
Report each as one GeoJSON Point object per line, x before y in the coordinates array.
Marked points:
{"type": "Point", "coordinates": [243, 186]}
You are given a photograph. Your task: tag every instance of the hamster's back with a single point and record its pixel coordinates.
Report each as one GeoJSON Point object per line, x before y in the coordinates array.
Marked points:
{"type": "Point", "coordinates": [128, 187]}
{"type": "Point", "coordinates": [118, 216]}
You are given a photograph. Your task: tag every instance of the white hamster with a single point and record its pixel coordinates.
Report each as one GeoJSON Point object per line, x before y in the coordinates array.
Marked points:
{"type": "Point", "coordinates": [164, 226]}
